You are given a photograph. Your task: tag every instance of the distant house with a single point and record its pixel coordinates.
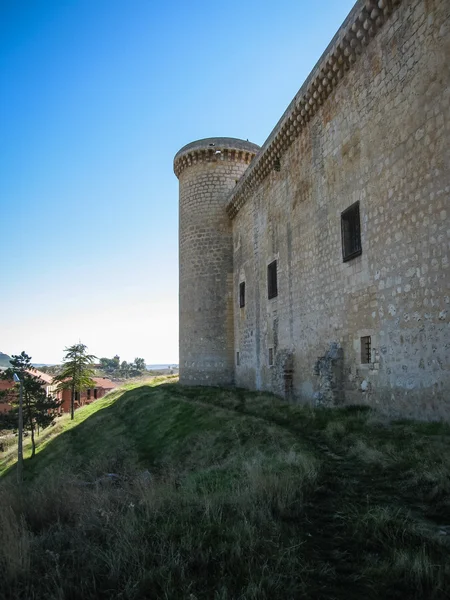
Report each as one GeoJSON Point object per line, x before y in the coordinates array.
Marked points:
{"type": "Point", "coordinates": [102, 386]}
{"type": "Point", "coordinates": [8, 384]}
{"type": "Point", "coordinates": [4, 400]}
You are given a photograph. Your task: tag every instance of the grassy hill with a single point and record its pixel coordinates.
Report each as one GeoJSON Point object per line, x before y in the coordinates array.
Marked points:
{"type": "Point", "coordinates": [161, 491]}
{"type": "Point", "coordinates": [4, 361]}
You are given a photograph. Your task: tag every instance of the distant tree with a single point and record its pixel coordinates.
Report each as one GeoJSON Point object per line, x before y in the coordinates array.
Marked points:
{"type": "Point", "coordinates": [39, 410]}
{"type": "Point", "coordinates": [77, 372]}
{"type": "Point", "coordinates": [125, 369]}
{"type": "Point", "coordinates": [113, 367]}
{"type": "Point", "coordinates": [50, 369]}
{"type": "Point", "coordinates": [109, 365]}
{"type": "Point", "coordinates": [139, 365]}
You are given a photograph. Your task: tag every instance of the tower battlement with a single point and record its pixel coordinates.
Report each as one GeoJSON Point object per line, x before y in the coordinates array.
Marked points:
{"type": "Point", "coordinates": [211, 150]}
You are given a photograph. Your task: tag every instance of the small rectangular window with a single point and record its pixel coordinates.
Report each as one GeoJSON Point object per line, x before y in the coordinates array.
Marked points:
{"type": "Point", "coordinates": [77, 396]}
{"type": "Point", "coordinates": [272, 283]}
{"type": "Point", "coordinates": [242, 294]}
{"type": "Point", "coordinates": [366, 350]}
{"type": "Point", "coordinates": [351, 232]}
{"type": "Point", "coordinates": [270, 357]}
{"type": "Point", "coordinates": [88, 394]}
{"type": "Point", "coordinates": [238, 359]}
{"type": "Point", "coordinates": [95, 393]}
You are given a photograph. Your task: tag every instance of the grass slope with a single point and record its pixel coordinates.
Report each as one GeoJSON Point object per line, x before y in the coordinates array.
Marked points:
{"type": "Point", "coordinates": [226, 495]}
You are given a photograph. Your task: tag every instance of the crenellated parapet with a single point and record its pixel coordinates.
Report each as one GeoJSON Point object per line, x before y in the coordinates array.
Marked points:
{"type": "Point", "coordinates": [211, 150]}
{"type": "Point", "coordinates": [361, 26]}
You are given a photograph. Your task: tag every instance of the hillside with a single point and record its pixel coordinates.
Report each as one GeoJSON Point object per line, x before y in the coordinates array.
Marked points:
{"type": "Point", "coordinates": [160, 491]}
{"type": "Point", "coordinates": [4, 361]}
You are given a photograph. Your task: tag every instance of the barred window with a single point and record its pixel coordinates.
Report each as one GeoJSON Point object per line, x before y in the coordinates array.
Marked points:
{"type": "Point", "coordinates": [238, 359]}
{"type": "Point", "coordinates": [242, 294]}
{"type": "Point", "coordinates": [351, 232]}
{"type": "Point", "coordinates": [270, 357]}
{"type": "Point", "coordinates": [272, 283]}
{"type": "Point", "coordinates": [366, 350]}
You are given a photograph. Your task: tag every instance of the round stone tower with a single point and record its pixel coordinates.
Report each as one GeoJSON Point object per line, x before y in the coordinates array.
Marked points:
{"type": "Point", "coordinates": [207, 171]}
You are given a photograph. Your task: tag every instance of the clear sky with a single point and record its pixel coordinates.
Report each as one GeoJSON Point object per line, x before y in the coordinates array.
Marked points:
{"type": "Point", "coordinates": [96, 97]}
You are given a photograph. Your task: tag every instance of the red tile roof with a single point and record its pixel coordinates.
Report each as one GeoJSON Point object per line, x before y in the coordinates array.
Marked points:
{"type": "Point", "coordinates": [103, 382]}
{"type": "Point", "coordinates": [48, 379]}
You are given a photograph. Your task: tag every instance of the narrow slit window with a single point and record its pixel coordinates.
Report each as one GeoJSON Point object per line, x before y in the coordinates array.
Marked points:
{"type": "Point", "coordinates": [272, 282]}
{"type": "Point", "coordinates": [351, 232]}
{"type": "Point", "coordinates": [238, 359]}
{"type": "Point", "coordinates": [366, 350]}
{"type": "Point", "coordinates": [270, 357]}
{"type": "Point", "coordinates": [242, 294]}
{"type": "Point", "coordinates": [88, 393]}
{"type": "Point", "coordinates": [95, 393]}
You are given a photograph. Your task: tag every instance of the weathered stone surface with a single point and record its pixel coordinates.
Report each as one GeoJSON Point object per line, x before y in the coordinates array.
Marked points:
{"type": "Point", "coordinates": [330, 372]}
{"type": "Point", "coordinates": [371, 125]}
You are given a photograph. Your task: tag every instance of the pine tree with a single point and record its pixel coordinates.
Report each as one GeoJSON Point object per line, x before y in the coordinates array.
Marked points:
{"type": "Point", "coordinates": [76, 373]}
{"type": "Point", "coordinates": [39, 410]}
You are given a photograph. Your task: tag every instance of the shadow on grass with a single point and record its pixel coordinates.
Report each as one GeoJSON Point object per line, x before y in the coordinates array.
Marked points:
{"type": "Point", "coordinates": [249, 497]}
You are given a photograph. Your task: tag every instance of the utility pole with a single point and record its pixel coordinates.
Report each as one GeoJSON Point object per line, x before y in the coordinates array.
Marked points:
{"type": "Point", "coordinates": [17, 379]}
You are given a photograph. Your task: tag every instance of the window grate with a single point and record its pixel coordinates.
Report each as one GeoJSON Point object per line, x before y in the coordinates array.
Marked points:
{"type": "Point", "coordinates": [270, 357]}
{"type": "Point", "coordinates": [242, 294]}
{"type": "Point", "coordinates": [272, 282]}
{"type": "Point", "coordinates": [366, 350]}
{"type": "Point", "coordinates": [351, 232]}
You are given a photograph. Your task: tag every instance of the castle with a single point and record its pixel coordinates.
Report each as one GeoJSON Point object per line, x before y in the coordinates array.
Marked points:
{"type": "Point", "coordinates": [317, 266]}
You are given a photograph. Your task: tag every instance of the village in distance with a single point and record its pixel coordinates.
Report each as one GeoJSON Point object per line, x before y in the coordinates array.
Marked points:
{"type": "Point", "coordinates": [101, 376]}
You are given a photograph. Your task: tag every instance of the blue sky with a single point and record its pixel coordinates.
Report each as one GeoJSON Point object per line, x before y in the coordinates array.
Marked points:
{"type": "Point", "coordinates": [96, 97]}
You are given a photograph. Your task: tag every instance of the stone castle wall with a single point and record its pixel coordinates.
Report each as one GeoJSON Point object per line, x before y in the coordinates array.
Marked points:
{"type": "Point", "coordinates": [370, 125]}
{"type": "Point", "coordinates": [380, 138]}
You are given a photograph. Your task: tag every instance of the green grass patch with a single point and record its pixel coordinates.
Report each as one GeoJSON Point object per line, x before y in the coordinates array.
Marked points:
{"type": "Point", "coordinates": [165, 491]}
